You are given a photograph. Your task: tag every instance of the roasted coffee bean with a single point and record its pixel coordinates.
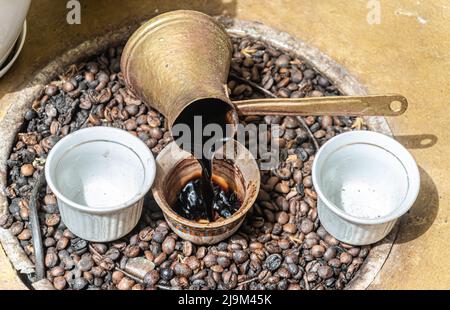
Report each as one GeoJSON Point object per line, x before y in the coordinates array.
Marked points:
{"type": "Point", "coordinates": [117, 276]}
{"type": "Point", "coordinates": [327, 122]}
{"type": "Point", "coordinates": [273, 262]}
{"type": "Point", "coordinates": [16, 228]}
{"type": "Point", "coordinates": [325, 272]}
{"type": "Point", "coordinates": [357, 261]}
{"type": "Point", "coordinates": [282, 204]}
{"type": "Point", "coordinates": [290, 228]}
{"type": "Point", "coordinates": [309, 243]}
{"type": "Point", "coordinates": [321, 232]}
{"type": "Point", "coordinates": [100, 248]}
{"type": "Point", "coordinates": [98, 271]}
{"type": "Point", "coordinates": [364, 251]}
{"type": "Point", "coordinates": [290, 122]}
{"type": "Point", "coordinates": [210, 260]}
{"type": "Point", "coordinates": [309, 74]}
{"type": "Point", "coordinates": [217, 269]}
{"type": "Point", "coordinates": [146, 234]}
{"type": "Point", "coordinates": [240, 256]}
{"type": "Point", "coordinates": [6, 221]}
{"type": "Point", "coordinates": [125, 284]}
{"type": "Point", "coordinates": [188, 248]}
{"type": "Point", "coordinates": [297, 76]}
{"type": "Point", "coordinates": [272, 247]}
{"type": "Point", "coordinates": [192, 262]}
{"type": "Point", "coordinates": [49, 242]}
{"type": "Point", "coordinates": [168, 246]}
{"type": "Point", "coordinates": [52, 219]}
{"type": "Point", "coordinates": [51, 258]}
{"type": "Point", "coordinates": [345, 258]}
{"type": "Point", "coordinates": [50, 199]}
{"type": "Point", "coordinates": [154, 122]}
{"type": "Point", "coordinates": [24, 235]}
{"type": "Point", "coordinates": [159, 234]}
{"type": "Point", "coordinates": [182, 270]}
{"type": "Point", "coordinates": [330, 253]}
{"type": "Point", "coordinates": [68, 262]}
{"type": "Point", "coordinates": [318, 250]}
{"type": "Point", "coordinates": [155, 133]}
{"type": "Point", "coordinates": [315, 93]}
{"type": "Point", "coordinates": [284, 173]}
{"type": "Point", "coordinates": [112, 254]}
{"type": "Point", "coordinates": [166, 273]}
{"type": "Point", "coordinates": [223, 261]}
{"type": "Point", "coordinates": [27, 170]}
{"type": "Point", "coordinates": [130, 124]}
{"type": "Point", "coordinates": [151, 278]}
{"type": "Point", "coordinates": [330, 240]}
{"type": "Point", "coordinates": [282, 218]}
{"type": "Point", "coordinates": [283, 61]}
{"type": "Point", "coordinates": [79, 283]}
{"type": "Point", "coordinates": [282, 188]}
{"type": "Point", "coordinates": [306, 226]}
{"type": "Point", "coordinates": [57, 271]}
{"type": "Point", "coordinates": [50, 90]}
{"type": "Point", "coordinates": [160, 258]}
{"type": "Point", "coordinates": [86, 263]}
{"type": "Point", "coordinates": [149, 256]}
{"type": "Point", "coordinates": [59, 283]}
{"type": "Point", "coordinates": [294, 286]}
{"type": "Point", "coordinates": [132, 109]}
{"type": "Point", "coordinates": [307, 181]}
{"type": "Point", "coordinates": [132, 251]}
{"type": "Point", "coordinates": [29, 115]}
{"type": "Point", "coordinates": [323, 81]}
{"type": "Point", "coordinates": [68, 87]}
{"type": "Point", "coordinates": [62, 243]}
{"type": "Point", "coordinates": [24, 212]}
{"type": "Point", "coordinates": [137, 287]}
{"type": "Point", "coordinates": [334, 262]}
{"type": "Point", "coordinates": [80, 245]}
{"type": "Point", "coordinates": [354, 251]}
{"type": "Point", "coordinates": [284, 244]}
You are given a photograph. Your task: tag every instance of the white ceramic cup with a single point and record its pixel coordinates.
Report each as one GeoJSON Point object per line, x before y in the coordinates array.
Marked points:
{"type": "Point", "coordinates": [100, 176]}
{"type": "Point", "coordinates": [12, 17]}
{"type": "Point", "coordinates": [365, 181]}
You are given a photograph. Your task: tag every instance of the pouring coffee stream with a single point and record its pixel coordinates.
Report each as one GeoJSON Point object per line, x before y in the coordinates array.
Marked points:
{"type": "Point", "coordinates": [200, 198]}
{"type": "Point", "coordinates": [198, 49]}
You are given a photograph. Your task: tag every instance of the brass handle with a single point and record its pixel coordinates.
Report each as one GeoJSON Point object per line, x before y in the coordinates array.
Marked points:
{"type": "Point", "coordinates": [382, 105]}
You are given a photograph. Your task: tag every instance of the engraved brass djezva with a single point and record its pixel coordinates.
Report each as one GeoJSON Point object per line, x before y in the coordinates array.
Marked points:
{"type": "Point", "coordinates": [180, 57]}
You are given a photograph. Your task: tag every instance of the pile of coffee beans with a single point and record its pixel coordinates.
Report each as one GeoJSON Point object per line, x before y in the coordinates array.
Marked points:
{"type": "Point", "coordinates": [281, 244]}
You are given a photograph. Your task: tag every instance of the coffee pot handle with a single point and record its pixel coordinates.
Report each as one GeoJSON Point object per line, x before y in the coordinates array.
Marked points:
{"type": "Point", "coordinates": [372, 105]}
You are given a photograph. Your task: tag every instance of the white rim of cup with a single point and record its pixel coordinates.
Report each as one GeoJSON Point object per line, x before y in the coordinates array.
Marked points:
{"type": "Point", "coordinates": [16, 49]}
{"type": "Point", "coordinates": [147, 159]}
{"type": "Point", "coordinates": [402, 155]}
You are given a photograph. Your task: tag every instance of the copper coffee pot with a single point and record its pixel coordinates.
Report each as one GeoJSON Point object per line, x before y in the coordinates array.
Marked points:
{"type": "Point", "coordinates": [182, 57]}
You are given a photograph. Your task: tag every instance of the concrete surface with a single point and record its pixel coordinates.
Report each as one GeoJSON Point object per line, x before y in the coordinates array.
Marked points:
{"type": "Point", "coordinates": [407, 52]}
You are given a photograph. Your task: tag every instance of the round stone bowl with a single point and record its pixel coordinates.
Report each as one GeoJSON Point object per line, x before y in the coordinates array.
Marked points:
{"type": "Point", "coordinates": [18, 102]}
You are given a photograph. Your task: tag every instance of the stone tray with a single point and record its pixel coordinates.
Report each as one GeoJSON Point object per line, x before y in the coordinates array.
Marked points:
{"type": "Point", "coordinates": [18, 102]}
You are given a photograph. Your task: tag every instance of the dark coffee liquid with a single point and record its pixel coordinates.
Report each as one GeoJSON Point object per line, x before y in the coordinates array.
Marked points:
{"type": "Point", "coordinates": [207, 187]}
{"type": "Point", "coordinates": [190, 202]}
{"type": "Point", "coordinates": [201, 198]}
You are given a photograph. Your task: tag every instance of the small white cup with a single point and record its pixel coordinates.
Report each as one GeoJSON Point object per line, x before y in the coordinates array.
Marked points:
{"type": "Point", "coordinates": [365, 181]}
{"type": "Point", "coordinates": [12, 17]}
{"type": "Point", "coordinates": [100, 176]}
